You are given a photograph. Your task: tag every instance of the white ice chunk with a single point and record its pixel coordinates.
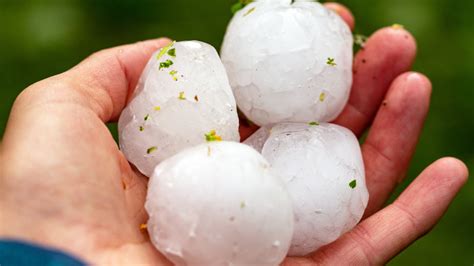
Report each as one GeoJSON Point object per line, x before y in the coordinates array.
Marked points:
{"type": "Point", "coordinates": [323, 170]}
{"type": "Point", "coordinates": [288, 62]}
{"type": "Point", "coordinates": [219, 204]}
{"type": "Point", "coordinates": [182, 95]}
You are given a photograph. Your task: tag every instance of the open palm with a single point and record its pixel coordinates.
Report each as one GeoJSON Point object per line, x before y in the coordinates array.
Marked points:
{"type": "Point", "coordinates": [64, 182]}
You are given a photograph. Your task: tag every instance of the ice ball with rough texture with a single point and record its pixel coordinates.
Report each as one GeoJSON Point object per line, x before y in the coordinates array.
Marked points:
{"type": "Point", "coordinates": [288, 61]}
{"type": "Point", "coordinates": [219, 204]}
{"type": "Point", "coordinates": [182, 99]}
{"type": "Point", "coordinates": [323, 169]}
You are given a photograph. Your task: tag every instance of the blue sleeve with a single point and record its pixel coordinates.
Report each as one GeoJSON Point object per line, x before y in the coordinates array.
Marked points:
{"type": "Point", "coordinates": [17, 253]}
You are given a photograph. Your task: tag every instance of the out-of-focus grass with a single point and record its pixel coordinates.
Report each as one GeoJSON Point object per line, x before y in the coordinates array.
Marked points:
{"type": "Point", "coordinates": [42, 38]}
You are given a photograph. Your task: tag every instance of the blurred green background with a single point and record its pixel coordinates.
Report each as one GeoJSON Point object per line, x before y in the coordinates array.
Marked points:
{"type": "Point", "coordinates": [42, 38]}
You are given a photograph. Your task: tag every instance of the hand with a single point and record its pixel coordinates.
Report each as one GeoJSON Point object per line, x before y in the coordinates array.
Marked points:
{"type": "Point", "coordinates": [64, 182]}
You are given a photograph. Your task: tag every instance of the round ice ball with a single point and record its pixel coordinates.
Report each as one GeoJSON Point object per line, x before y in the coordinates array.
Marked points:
{"type": "Point", "coordinates": [322, 167]}
{"type": "Point", "coordinates": [219, 204]}
{"type": "Point", "coordinates": [183, 97]}
{"type": "Point", "coordinates": [288, 61]}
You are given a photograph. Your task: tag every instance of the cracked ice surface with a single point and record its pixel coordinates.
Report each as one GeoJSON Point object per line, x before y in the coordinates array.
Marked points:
{"type": "Point", "coordinates": [276, 55]}
{"type": "Point", "coordinates": [181, 96]}
{"type": "Point", "coordinates": [317, 163]}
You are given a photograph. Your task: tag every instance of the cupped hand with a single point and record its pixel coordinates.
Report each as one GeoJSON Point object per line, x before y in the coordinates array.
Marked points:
{"type": "Point", "coordinates": [64, 182]}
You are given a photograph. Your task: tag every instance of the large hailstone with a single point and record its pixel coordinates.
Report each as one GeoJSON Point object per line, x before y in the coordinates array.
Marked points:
{"type": "Point", "coordinates": [182, 99]}
{"type": "Point", "coordinates": [288, 61]}
{"type": "Point", "coordinates": [219, 204]}
{"type": "Point", "coordinates": [324, 173]}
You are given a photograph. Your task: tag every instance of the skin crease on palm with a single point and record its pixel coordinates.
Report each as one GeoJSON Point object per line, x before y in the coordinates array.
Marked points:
{"type": "Point", "coordinates": [64, 183]}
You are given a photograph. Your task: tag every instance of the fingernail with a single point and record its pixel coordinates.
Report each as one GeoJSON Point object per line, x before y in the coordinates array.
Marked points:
{"type": "Point", "coordinates": [414, 77]}
{"type": "Point", "coordinates": [398, 26]}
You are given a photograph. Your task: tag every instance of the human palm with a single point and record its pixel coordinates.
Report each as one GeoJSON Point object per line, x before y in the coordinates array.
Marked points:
{"type": "Point", "coordinates": [65, 183]}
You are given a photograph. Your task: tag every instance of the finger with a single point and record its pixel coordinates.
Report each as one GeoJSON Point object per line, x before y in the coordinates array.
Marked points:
{"type": "Point", "coordinates": [134, 185]}
{"type": "Point", "coordinates": [379, 238]}
{"type": "Point", "coordinates": [246, 129]}
{"type": "Point", "coordinates": [342, 11]}
{"type": "Point", "coordinates": [387, 54]}
{"type": "Point", "coordinates": [393, 137]}
{"type": "Point", "coordinates": [66, 107]}
{"type": "Point", "coordinates": [112, 74]}
{"type": "Point", "coordinates": [60, 107]}
{"type": "Point", "coordinates": [109, 77]}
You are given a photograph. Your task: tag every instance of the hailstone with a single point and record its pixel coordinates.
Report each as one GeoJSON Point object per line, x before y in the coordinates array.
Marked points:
{"type": "Point", "coordinates": [288, 61]}
{"type": "Point", "coordinates": [322, 167]}
{"type": "Point", "coordinates": [182, 99]}
{"type": "Point", "coordinates": [219, 204]}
